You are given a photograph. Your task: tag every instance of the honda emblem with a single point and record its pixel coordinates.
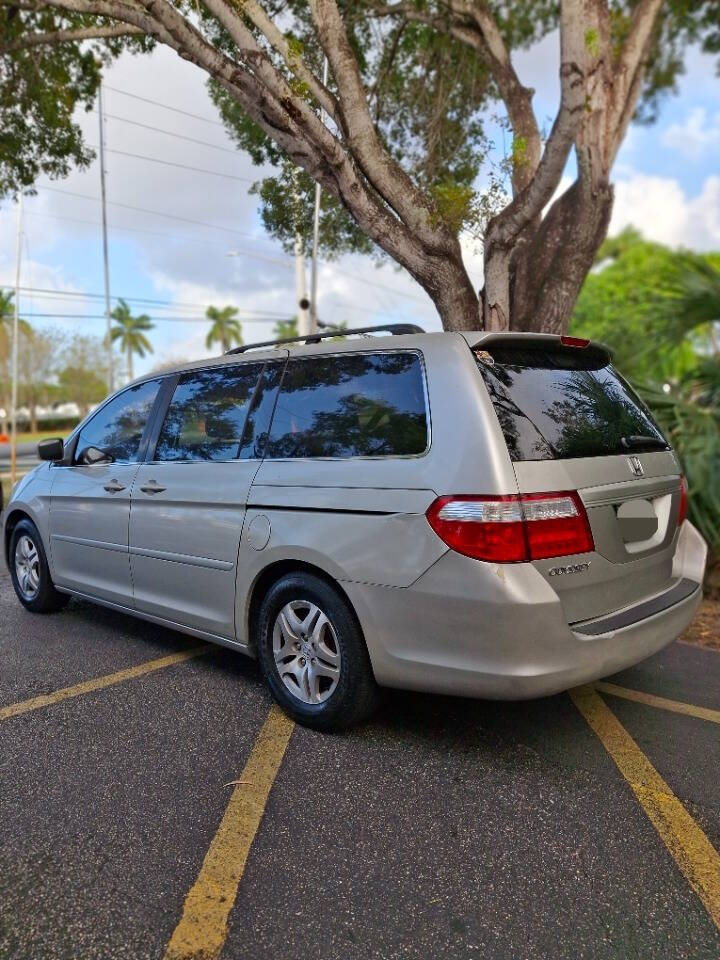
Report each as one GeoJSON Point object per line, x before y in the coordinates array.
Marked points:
{"type": "Point", "coordinates": [636, 468]}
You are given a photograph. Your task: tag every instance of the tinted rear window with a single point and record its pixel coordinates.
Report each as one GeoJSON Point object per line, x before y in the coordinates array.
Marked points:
{"type": "Point", "coordinates": [564, 404]}
{"type": "Point", "coordinates": [353, 405]}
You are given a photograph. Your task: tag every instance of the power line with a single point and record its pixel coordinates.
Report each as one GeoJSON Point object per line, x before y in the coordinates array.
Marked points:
{"type": "Point", "coordinates": [153, 213]}
{"type": "Point", "coordinates": [216, 226]}
{"type": "Point", "coordinates": [170, 133]}
{"type": "Point", "coordinates": [156, 233]}
{"type": "Point", "coordinates": [77, 294]}
{"type": "Point", "coordinates": [165, 106]}
{"type": "Point", "coordinates": [180, 166]}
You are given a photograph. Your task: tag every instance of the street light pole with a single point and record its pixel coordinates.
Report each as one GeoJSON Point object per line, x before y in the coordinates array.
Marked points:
{"type": "Point", "coordinates": [105, 240]}
{"type": "Point", "coordinates": [16, 325]}
{"type": "Point", "coordinates": [316, 233]}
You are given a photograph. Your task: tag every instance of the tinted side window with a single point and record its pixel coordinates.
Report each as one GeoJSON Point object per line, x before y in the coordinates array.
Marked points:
{"type": "Point", "coordinates": [355, 405]}
{"type": "Point", "coordinates": [255, 434]}
{"type": "Point", "coordinates": [118, 427]}
{"type": "Point", "coordinates": [207, 414]}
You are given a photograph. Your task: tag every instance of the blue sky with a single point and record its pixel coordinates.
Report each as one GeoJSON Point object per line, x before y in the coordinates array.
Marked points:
{"type": "Point", "coordinates": [667, 184]}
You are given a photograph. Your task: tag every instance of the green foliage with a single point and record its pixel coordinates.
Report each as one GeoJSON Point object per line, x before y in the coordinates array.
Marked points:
{"type": "Point", "coordinates": [592, 42]}
{"type": "Point", "coordinates": [225, 329]}
{"type": "Point", "coordinates": [40, 89]}
{"type": "Point", "coordinates": [636, 301]}
{"type": "Point", "coordinates": [453, 204]}
{"type": "Point", "coordinates": [285, 328]}
{"type": "Point", "coordinates": [694, 431]}
{"type": "Point", "coordinates": [287, 205]}
{"type": "Point", "coordinates": [82, 371]}
{"type": "Point", "coordinates": [659, 310]}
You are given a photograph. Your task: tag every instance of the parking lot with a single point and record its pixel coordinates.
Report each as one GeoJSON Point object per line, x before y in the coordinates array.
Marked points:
{"type": "Point", "coordinates": [153, 804]}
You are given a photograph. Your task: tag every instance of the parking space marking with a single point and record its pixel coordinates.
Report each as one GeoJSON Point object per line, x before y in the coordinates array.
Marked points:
{"type": "Point", "coordinates": [203, 927]}
{"type": "Point", "coordinates": [98, 683]}
{"type": "Point", "coordinates": [675, 706]}
{"type": "Point", "coordinates": [692, 851]}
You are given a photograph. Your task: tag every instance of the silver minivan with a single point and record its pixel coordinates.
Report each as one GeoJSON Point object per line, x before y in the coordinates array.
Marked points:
{"type": "Point", "coordinates": [482, 514]}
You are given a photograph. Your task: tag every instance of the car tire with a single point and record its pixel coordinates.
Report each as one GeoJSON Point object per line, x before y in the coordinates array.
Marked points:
{"type": "Point", "coordinates": [30, 572]}
{"type": "Point", "coordinates": [313, 655]}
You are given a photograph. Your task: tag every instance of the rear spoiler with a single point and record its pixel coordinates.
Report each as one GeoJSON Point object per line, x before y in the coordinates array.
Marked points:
{"type": "Point", "coordinates": [478, 339]}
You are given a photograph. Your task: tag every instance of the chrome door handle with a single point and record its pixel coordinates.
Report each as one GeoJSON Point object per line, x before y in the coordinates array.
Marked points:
{"type": "Point", "coordinates": [114, 486]}
{"type": "Point", "coordinates": [152, 486]}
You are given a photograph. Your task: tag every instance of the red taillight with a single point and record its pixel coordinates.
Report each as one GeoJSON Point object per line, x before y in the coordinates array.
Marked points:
{"type": "Point", "coordinates": [682, 512]}
{"type": "Point", "coordinates": [513, 529]}
{"type": "Point", "coordinates": [574, 342]}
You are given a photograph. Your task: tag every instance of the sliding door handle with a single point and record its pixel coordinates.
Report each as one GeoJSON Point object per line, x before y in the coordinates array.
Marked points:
{"type": "Point", "coordinates": [114, 486]}
{"type": "Point", "coordinates": [152, 486]}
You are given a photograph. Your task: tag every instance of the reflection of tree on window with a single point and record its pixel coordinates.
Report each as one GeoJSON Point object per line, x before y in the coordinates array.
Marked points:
{"type": "Point", "coordinates": [518, 429]}
{"type": "Point", "coordinates": [358, 427]}
{"type": "Point", "coordinates": [351, 405]}
{"type": "Point", "coordinates": [207, 414]}
{"type": "Point", "coordinates": [593, 404]}
{"type": "Point", "coordinates": [554, 406]}
{"type": "Point", "coordinates": [118, 427]}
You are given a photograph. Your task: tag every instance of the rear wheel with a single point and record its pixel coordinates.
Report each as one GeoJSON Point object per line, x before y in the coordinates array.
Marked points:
{"type": "Point", "coordinates": [313, 655]}
{"type": "Point", "coordinates": [30, 572]}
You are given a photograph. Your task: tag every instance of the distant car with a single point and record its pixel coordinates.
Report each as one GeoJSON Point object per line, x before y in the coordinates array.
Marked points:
{"type": "Point", "coordinates": [490, 515]}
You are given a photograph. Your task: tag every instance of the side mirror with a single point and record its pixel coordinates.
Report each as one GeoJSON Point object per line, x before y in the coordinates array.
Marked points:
{"type": "Point", "coordinates": [94, 455]}
{"type": "Point", "coordinates": [52, 449]}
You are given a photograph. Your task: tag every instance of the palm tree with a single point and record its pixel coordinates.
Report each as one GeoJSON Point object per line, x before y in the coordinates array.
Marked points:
{"type": "Point", "coordinates": [693, 303]}
{"type": "Point", "coordinates": [225, 329]}
{"type": "Point", "coordinates": [130, 331]}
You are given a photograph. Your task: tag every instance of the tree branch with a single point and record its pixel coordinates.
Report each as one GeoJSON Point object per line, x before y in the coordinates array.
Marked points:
{"type": "Point", "coordinates": [632, 67]}
{"type": "Point", "coordinates": [510, 222]}
{"type": "Point", "coordinates": [279, 42]}
{"type": "Point", "coordinates": [473, 24]}
{"type": "Point", "coordinates": [69, 36]}
{"type": "Point", "coordinates": [385, 174]}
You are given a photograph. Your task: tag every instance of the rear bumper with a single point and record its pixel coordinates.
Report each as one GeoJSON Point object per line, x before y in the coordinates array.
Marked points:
{"type": "Point", "coordinates": [481, 630]}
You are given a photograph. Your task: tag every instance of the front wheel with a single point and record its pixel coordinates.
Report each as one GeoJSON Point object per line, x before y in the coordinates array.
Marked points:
{"type": "Point", "coordinates": [313, 655]}
{"type": "Point", "coordinates": [30, 572]}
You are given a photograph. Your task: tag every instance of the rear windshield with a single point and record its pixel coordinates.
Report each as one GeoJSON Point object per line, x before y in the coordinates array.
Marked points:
{"type": "Point", "coordinates": [556, 405]}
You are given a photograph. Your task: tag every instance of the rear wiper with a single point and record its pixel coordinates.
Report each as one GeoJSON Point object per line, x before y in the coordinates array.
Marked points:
{"type": "Point", "coordinates": [632, 443]}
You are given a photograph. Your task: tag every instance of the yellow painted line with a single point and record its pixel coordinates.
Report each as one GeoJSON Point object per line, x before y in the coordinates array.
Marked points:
{"type": "Point", "coordinates": [692, 851]}
{"type": "Point", "coordinates": [202, 929]}
{"type": "Point", "coordinates": [99, 683]}
{"type": "Point", "coordinates": [675, 706]}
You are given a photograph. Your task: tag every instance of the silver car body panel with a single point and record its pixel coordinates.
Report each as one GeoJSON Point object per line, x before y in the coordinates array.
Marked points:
{"type": "Point", "coordinates": [433, 620]}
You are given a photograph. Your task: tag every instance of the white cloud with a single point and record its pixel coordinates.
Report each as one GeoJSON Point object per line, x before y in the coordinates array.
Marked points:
{"type": "Point", "coordinates": [698, 134]}
{"type": "Point", "coordinates": [661, 210]}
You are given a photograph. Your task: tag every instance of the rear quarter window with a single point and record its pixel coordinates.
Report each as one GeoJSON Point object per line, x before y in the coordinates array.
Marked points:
{"type": "Point", "coordinates": [351, 405]}
{"type": "Point", "coordinates": [557, 405]}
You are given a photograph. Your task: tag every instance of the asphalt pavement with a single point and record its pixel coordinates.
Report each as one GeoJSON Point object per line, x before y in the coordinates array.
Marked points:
{"type": "Point", "coordinates": [442, 828]}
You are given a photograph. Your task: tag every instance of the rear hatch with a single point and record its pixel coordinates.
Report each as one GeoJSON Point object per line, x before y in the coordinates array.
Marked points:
{"type": "Point", "coordinates": [571, 422]}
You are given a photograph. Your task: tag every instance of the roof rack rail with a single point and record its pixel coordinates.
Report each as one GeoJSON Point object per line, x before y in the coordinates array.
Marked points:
{"type": "Point", "coordinates": [396, 329]}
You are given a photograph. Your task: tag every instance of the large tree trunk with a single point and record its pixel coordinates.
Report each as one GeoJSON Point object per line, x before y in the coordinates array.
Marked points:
{"type": "Point", "coordinates": [547, 270]}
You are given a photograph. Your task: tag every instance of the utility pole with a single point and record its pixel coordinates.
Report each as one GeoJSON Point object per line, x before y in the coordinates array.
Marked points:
{"type": "Point", "coordinates": [301, 301]}
{"type": "Point", "coordinates": [300, 289]}
{"type": "Point", "coordinates": [106, 265]}
{"type": "Point", "coordinates": [16, 326]}
{"type": "Point", "coordinates": [316, 233]}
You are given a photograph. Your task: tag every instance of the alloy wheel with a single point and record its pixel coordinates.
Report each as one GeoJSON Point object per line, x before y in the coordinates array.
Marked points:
{"type": "Point", "coordinates": [27, 567]}
{"type": "Point", "coordinates": [306, 651]}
